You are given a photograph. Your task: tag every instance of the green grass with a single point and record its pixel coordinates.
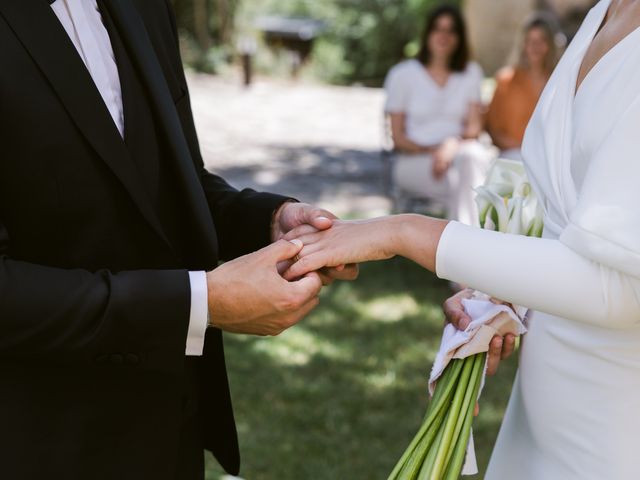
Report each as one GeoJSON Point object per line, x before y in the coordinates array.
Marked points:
{"type": "Point", "coordinates": [341, 395]}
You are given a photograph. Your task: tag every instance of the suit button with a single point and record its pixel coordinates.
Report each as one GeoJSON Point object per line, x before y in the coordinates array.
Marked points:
{"type": "Point", "coordinates": [131, 359]}
{"type": "Point", "coordinates": [102, 358]}
{"type": "Point", "coordinates": [116, 358]}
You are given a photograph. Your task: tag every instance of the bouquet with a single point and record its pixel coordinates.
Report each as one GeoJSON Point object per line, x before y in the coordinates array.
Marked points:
{"type": "Point", "coordinates": [507, 204]}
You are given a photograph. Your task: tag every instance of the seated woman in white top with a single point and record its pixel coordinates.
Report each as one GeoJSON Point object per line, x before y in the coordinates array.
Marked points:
{"type": "Point", "coordinates": [573, 412]}
{"type": "Point", "coordinates": [434, 105]}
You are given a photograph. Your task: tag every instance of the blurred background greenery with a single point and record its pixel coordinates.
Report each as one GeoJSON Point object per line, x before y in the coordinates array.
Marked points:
{"type": "Point", "coordinates": [341, 395]}
{"type": "Point", "coordinates": [356, 46]}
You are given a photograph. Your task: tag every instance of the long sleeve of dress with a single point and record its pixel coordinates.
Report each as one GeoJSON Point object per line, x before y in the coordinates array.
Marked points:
{"type": "Point", "coordinates": [541, 274]}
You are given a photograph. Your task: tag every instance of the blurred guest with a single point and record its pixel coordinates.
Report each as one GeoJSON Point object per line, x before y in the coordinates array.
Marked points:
{"type": "Point", "coordinates": [519, 87]}
{"type": "Point", "coordinates": [434, 105]}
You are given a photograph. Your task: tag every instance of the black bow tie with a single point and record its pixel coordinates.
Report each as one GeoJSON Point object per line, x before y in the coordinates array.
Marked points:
{"type": "Point", "coordinates": [51, 2]}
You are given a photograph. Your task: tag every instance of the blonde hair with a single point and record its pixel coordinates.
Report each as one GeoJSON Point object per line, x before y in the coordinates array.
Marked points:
{"type": "Point", "coordinates": [556, 40]}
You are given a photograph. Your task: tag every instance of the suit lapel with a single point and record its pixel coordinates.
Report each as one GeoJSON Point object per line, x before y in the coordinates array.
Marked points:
{"type": "Point", "coordinates": [136, 39]}
{"type": "Point", "coordinates": [42, 35]}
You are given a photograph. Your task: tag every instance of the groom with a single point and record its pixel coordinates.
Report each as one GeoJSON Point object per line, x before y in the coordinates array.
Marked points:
{"type": "Point", "coordinates": [111, 299]}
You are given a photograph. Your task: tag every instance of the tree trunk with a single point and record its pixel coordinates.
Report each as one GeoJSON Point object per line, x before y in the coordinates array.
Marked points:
{"type": "Point", "coordinates": [201, 24]}
{"type": "Point", "coordinates": [224, 17]}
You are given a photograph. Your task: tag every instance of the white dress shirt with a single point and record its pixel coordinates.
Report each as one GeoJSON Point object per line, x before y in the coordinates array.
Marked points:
{"type": "Point", "coordinates": [83, 23]}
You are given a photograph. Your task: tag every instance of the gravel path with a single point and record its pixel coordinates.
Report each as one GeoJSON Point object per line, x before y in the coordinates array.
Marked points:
{"type": "Point", "coordinates": [319, 144]}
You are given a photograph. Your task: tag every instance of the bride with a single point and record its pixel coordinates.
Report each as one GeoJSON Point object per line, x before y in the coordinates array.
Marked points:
{"type": "Point", "coordinates": [574, 410]}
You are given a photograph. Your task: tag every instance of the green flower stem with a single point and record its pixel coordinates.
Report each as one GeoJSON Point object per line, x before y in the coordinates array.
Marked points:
{"type": "Point", "coordinates": [427, 466]}
{"type": "Point", "coordinates": [468, 400]}
{"type": "Point", "coordinates": [460, 451]}
{"type": "Point", "coordinates": [445, 386]}
{"type": "Point", "coordinates": [452, 416]}
{"type": "Point", "coordinates": [441, 398]}
{"type": "Point", "coordinates": [415, 462]}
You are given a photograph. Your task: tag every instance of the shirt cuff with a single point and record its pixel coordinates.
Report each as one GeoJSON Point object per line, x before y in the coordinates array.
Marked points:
{"type": "Point", "coordinates": [199, 316]}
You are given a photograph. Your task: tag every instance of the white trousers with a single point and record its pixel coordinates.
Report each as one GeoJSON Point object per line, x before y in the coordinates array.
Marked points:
{"type": "Point", "coordinates": [413, 177]}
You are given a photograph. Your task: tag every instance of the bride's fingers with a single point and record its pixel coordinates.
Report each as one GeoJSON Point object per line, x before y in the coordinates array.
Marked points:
{"type": "Point", "coordinates": [508, 346]}
{"type": "Point", "coordinates": [306, 264]}
{"type": "Point", "coordinates": [300, 264]}
{"type": "Point", "coordinates": [313, 238]}
{"type": "Point", "coordinates": [454, 310]}
{"type": "Point", "coordinates": [495, 352]}
{"type": "Point", "coordinates": [300, 231]}
{"type": "Point", "coordinates": [311, 248]}
{"type": "Point", "coordinates": [347, 272]}
{"type": "Point", "coordinates": [326, 277]}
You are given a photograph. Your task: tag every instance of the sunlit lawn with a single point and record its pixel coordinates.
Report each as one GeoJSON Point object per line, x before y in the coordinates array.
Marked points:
{"type": "Point", "coordinates": [341, 395]}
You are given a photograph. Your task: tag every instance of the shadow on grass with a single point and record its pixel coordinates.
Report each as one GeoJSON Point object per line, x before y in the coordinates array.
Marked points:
{"type": "Point", "coordinates": [313, 174]}
{"type": "Point", "coordinates": [341, 395]}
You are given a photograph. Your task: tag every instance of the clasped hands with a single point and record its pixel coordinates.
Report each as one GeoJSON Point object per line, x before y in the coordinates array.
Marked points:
{"type": "Point", "coordinates": [249, 294]}
{"type": "Point", "coordinates": [268, 291]}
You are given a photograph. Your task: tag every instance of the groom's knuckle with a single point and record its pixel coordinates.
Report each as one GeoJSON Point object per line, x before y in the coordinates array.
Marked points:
{"type": "Point", "coordinates": [293, 301]}
{"type": "Point", "coordinates": [285, 303]}
{"type": "Point", "coordinates": [289, 321]}
{"type": "Point", "coordinates": [276, 331]}
{"type": "Point", "coordinates": [319, 212]}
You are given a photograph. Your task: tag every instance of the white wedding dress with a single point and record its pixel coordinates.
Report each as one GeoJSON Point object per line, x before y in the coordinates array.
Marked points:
{"type": "Point", "coordinates": [574, 413]}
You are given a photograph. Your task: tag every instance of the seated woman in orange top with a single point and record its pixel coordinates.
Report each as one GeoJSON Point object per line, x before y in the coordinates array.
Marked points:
{"type": "Point", "coordinates": [518, 88]}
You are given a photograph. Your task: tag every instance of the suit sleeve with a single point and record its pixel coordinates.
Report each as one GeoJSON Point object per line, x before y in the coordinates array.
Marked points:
{"type": "Point", "coordinates": [242, 218]}
{"type": "Point", "coordinates": [76, 317]}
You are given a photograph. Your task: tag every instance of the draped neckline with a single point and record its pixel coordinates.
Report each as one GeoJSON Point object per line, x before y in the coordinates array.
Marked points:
{"type": "Point", "coordinates": [598, 26]}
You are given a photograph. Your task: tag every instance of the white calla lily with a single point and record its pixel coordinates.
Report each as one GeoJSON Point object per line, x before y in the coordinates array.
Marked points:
{"type": "Point", "coordinates": [489, 224]}
{"type": "Point", "coordinates": [506, 202]}
{"type": "Point", "coordinates": [514, 225]}
{"type": "Point", "coordinates": [506, 171]}
{"type": "Point", "coordinates": [496, 203]}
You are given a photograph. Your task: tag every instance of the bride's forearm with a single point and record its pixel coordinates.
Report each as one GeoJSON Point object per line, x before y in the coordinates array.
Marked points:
{"type": "Point", "coordinates": [416, 238]}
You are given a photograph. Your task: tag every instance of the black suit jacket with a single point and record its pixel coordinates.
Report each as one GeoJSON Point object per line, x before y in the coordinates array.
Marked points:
{"type": "Point", "coordinates": [94, 298]}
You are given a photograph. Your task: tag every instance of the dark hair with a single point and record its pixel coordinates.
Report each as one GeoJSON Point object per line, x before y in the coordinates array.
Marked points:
{"type": "Point", "coordinates": [460, 57]}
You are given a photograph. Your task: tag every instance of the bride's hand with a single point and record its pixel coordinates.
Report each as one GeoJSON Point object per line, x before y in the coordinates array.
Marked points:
{"type": "Point", "coordinates": [346, 242]}
{"type": "Point", "coordinates": [500, 347]}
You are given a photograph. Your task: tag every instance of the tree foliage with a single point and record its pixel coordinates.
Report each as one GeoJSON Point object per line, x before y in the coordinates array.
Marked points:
{"type": "Point", "coordinates": [364, 38]}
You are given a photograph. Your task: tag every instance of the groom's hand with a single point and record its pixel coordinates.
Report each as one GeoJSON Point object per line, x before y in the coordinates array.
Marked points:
{"type": "Point", "coordinates": [499, 348]}
{"type": "Point", "coordinates": [304, 219]}
{"type": "Point", "coordinates": [248, 295]}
